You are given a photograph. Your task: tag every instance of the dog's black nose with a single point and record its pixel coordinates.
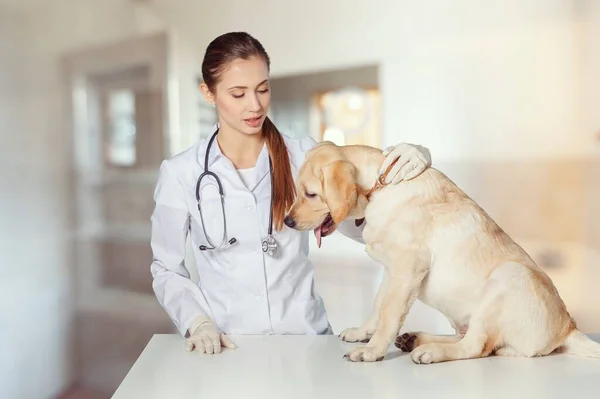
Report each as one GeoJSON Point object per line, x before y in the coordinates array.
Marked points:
{"type": "Point", "coordinates": [289, 222]}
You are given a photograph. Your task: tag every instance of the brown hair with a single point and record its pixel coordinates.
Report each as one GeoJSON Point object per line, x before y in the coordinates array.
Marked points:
{"type": "Point", "coordinates": [219, 53]}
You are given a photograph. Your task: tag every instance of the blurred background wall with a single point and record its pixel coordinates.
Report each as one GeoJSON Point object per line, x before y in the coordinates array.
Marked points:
{"type": "Point", "coordinates": [94, 94]}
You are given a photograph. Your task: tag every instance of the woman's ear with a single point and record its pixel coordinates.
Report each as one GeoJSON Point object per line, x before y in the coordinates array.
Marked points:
{"type": "Point", "coordinates": [208, 96]}
{"type": "Point", "coordinates": [339, 188]}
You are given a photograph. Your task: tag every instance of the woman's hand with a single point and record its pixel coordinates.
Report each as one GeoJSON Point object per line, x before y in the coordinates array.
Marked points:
{"type": "Point", "coordinates": [412, 161]}
{"type": "Point", "coordinates": [206, 338]}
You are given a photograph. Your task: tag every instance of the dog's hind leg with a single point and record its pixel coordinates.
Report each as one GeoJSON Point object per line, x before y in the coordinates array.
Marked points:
{"type": "Point", "coordinates": [533, 320]}
{"type": "Point", "coordinates": [407, 342]}
{"type": "Point", "coordinates": [476, 343]}
{"type": "Point", "coordinates": [518, 315]}
{"type": "Point", "coordinates": [482, 336]}
{"type": "Point", "coordinates": [479, 340]}
{"type": "Point", "coordinates": [507, 351]}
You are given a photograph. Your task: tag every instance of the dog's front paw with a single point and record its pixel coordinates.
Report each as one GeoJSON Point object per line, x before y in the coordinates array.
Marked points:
{"type": "Point", "coordinates": [426, 354]}
{"type": "Point", "coordinates": [355, 334]}
{"type": "Point", "coordinates": [365, 354]}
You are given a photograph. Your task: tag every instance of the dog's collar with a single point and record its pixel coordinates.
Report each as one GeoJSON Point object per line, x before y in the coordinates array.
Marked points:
{"type": "Point", "coordinates": [379, 184]}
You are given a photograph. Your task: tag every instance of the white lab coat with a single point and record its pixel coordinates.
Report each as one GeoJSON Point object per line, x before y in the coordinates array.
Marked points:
{"type": "Point", "coordinates": [242, 289]}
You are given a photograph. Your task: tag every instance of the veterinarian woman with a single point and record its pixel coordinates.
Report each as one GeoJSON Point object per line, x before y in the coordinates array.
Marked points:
{"type": "Point", "coordinates": [250, 282]}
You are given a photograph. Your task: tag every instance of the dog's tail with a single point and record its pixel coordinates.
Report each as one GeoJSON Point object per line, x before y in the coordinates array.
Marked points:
{"type": "Point", "coordinates": [577, 343]}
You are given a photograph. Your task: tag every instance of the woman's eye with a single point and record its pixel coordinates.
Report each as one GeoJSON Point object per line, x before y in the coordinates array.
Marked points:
{"type": "Point", "coordinates": [238, 95]}
{"type": "Point", "coordinates": [310, 195]}
{"type": "Point", "coordinates": [263, 91]}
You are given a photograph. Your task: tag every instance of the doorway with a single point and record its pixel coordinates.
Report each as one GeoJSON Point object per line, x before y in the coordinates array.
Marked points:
{"type": "Point", "coordinates": [118, 108]}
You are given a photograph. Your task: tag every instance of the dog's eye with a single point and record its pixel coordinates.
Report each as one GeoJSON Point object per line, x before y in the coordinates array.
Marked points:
{"type": "Point", "coordinates": [310, 195]}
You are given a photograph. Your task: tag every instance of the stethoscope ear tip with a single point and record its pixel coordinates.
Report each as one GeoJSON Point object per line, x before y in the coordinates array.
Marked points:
{"type": "Point", "coordinates": [204, 247]}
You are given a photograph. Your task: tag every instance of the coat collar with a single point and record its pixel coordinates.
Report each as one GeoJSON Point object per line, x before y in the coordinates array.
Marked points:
{"type": "Point", "coordinates": [216, 159]}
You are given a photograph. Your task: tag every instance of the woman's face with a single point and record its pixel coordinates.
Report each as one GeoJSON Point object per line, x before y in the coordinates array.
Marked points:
{"type": "Point", "coordinates": [242, 96]}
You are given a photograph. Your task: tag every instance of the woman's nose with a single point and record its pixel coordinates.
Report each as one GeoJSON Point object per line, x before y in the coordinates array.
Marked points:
{"type": "Point", "coordinates": [254, 104]}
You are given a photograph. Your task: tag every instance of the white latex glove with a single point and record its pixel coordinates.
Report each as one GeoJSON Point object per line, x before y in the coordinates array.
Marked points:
{"type": "Point", "coordinates": [412, 161]}
{"type": "Point", "coordinates": [206, 338]}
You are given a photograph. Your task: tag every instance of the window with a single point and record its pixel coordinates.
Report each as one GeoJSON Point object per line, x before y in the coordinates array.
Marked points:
{"type": "Point", "coordinates": [121, 149]}
{"type": "Point", "coordinates": [350, 116]}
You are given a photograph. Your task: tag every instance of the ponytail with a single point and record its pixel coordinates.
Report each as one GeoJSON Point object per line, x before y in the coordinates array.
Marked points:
{"type": "Point", "coordinates": [284, 190]}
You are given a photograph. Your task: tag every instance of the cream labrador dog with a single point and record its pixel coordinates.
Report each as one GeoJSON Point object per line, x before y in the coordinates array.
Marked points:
{"type": "Point", "coordinates": [439, 246]}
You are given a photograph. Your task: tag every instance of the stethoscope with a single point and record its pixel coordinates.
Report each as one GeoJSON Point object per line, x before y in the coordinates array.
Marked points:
{"type": "Point", "coordinates": [269, 245]}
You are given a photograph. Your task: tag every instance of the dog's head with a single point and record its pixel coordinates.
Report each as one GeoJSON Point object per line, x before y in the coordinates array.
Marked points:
{"type": "Point", "coordinates": [327, 191]}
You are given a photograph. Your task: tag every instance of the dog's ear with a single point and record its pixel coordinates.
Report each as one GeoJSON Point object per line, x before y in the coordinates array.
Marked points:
{"type": "Point", "coordinates": [339, 188]}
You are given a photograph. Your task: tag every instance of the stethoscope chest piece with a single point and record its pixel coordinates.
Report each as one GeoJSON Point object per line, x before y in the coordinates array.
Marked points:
{"type": "Point", "coordinates": [269, 246]}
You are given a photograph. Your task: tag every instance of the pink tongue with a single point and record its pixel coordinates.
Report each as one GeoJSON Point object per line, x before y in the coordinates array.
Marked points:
{"type": "Point", "coordinates": [318, 235]}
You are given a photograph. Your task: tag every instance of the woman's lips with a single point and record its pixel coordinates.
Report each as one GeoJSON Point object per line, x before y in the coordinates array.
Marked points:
{"type": "Point", "coordinates": [253, 122]}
